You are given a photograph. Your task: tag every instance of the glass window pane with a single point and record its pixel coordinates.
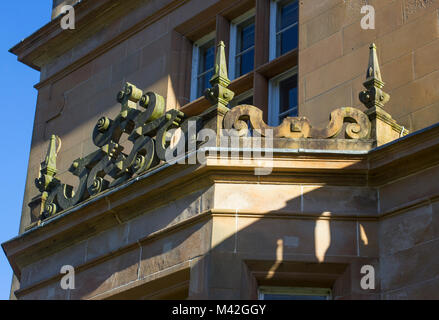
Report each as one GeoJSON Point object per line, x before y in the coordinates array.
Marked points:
{"type": "Point", "coordinates": [245, 62]}
{"type": "Point", "coordinates": [289, 14]}
{"type": "Point", "coordinates": [207, 57]}
{"type": "Point", "coordinates": [239, 100]}
{"type": "Point", "coordinates": [287, 29]}
{"type": "Point", "coordinates": [203, 83]}
{"type": "Point", "coordinates": [248, 100]}
{"type": "Point", "coordinates": [247, 37]}
{"type": "Point", "coordinates": [288, 94]}
{"type": "Point", "coordinates": [287, 40]}
{"type": "Point", "coordinates": [206, 63]}
{"type": "Point", "coordinates": [245, 42]}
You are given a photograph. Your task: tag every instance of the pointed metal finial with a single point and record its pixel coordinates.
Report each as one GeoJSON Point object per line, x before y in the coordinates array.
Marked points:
{"type": "Point", "coordinates": [373, 96]}
{"type": "Point", "coordinates": [48, 166]}
{"type": "Point", "coordinates": [50, 161]}
{"type": "Point", "coordinates": [221, 75]}
{"type": "Point", "coordinates": [373, 69]}
{"type": "Point", "coordinates": [219, 94]}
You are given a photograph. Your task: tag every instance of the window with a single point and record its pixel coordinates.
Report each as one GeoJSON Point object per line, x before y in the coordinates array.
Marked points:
{"type": "Point", "coordinates": [282, 89]}
{"type": "Point", "coordinates": [242, 45]}
{"type": "Point", "coordinates": [284, 27]}
{"type": "Point", "coordinates": [286, 293]}
{"type": "Point", "coordinates": [283, 97]}
{"type": "Point", "coordinates": [203, 62]}
{"type": "Point", "coordinates": [245, 98]}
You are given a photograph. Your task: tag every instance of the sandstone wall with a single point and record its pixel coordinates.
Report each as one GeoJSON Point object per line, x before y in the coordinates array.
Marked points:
{"type": "Point", "coordinates": [333, 51]}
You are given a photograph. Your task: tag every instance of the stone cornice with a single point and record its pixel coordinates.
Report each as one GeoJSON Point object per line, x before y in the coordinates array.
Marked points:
{"type": "Point", "coordinates": [29, 47]}
{"type": "Point", "coordinates": [49, 34]}
{"type": "Point", "coordinates": [123, 249]}
{"type": "Point", "coordinates": [51, 41]}
{"type": "Point", "coordinates": [115, 206]}
{"type": "Point", "coordinates": [300, 154]}
{"type": "Point", "coordinates": [148, 126]}
{"type": "Point", "coordinates": [122, 204]}
{"type": "Point", "coordinates": [411, 153]}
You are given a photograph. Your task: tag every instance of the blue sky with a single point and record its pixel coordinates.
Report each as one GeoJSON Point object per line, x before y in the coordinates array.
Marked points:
{"type": "Point", "coordinates": [19, 19]}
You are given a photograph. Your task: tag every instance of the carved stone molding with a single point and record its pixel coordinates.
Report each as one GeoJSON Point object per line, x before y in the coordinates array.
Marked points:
{"type": "Point", "coordinates": [150, 130]}
{"type": "Point", "coordinates": [299, 127]}
{"type": "Point", "coordinates": [108, 166]}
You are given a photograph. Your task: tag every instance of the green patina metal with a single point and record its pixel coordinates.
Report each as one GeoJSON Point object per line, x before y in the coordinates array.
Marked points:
{"type": "Point", "coordinates": [149, 127]}
{"type": "Point", "coordinates": [148, 131]}
{"type": "Point", "coordinates": [219, 94]}
{"type": "Point", "coordinates": [46, 179]}
{"type": "Point", "coordinates": [46, 182]}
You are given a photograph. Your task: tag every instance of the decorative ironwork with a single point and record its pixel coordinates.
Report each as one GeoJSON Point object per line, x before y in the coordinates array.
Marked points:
{"type": "Point", "coordinates": [149, 128]}
{"type": "Point", "coordinates": [46, 182]}
{"type": "Point", "coordinates": [149, 131]}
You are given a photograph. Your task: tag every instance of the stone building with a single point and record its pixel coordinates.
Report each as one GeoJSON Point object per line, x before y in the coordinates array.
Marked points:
{"type": "Point", "coordinates": [351, 189]}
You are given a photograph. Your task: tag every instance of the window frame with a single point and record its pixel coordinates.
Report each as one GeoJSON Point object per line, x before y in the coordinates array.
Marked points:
{"type": "Point", "coordinates": [242, 96]}
{"type": "Point", "coordinates": [294, 291]}
{"type": "Point", "coordinates": [274, 95]}
{"type": "Point", "coordinates": [195, 62]}
{"type": "Point", "coordinates": [274, 6]}
{"type": "Point", "coordinates": [234, 24]}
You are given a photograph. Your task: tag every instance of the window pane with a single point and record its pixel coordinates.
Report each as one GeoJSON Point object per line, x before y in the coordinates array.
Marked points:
{"type": "Point", "coordinates": [245, 42]}
{"type": "Point", "coordinates": [287, 40]}
{"type": "Point", "coordinates": [203, 83]}
{"type": "Point", "coordinates": [206, 63]}
{"type": "Point", "coordinates": [245, 62]}
{"type": "Point", "coordinates": [289, 14]}
{"type": "Point", "coordinates": [248, 100]}
{"type": "Point", "coordinates": [287, 29]}
{"type": "Point", "coordinates": [207, 57]}
{"type": "Point", "coordinates": [288, 94]}
{"type": "Point", "coordinates": [247, 37]}
{"type": "Point", "coordinates": [239, 100]}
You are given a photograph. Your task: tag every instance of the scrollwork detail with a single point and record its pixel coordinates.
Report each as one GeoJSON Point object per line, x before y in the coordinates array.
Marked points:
{"type": "Point", "coordinates": [358, 126]}
{"type": "Point", "coordinates": [148, 130]}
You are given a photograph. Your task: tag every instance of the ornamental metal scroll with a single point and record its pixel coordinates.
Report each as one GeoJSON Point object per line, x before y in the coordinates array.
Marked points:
{"type": "Point", "coordinates": [358, 124]}
{"type": "Point", "coordinates": [149, 131]}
